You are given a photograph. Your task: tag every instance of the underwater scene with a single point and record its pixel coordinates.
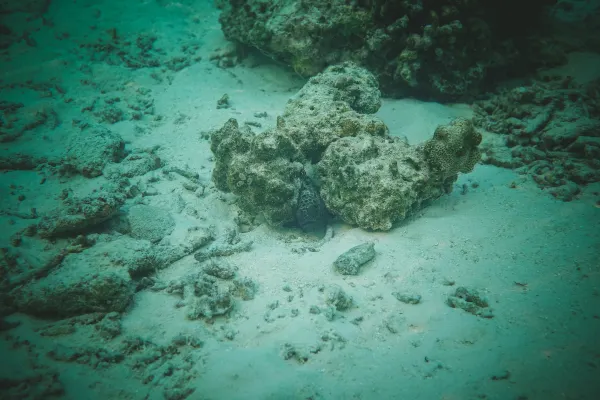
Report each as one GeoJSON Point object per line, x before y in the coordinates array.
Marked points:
{"type": "Point", "coordinates": [300, 199]}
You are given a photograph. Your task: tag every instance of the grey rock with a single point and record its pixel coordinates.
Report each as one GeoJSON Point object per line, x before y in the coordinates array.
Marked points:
{"type": "Point", "coordinates": [90, 151]}
{"type": "Point", "coordinates": [407, 298]}
{"type": "Point", "coordinates": [72, 292]}
{"type": "Point", "coordinates": [338, 299]}
{"type": "Point", "coordinates": [76, 214]}
{"type": "Point", "coordinates": [471, 301]}
{"type": "Point", "coordinates": [351, 261]}
{"type": "Point", "coordinates": [135, 164]}
{"type": "Point", "coordinates": [219, 269]}
{"type": "Point", "coordinates": [244, 288]}
{"type": "Point", "coordinates": [150, 223]}
{"type": "Point", "coordinates": [210, 306]}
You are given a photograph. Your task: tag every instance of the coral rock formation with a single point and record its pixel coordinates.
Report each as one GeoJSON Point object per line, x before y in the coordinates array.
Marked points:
{"type": "Point", "coordinates": [444, 49]}
{"type": "Point", "coordinates": [373, 182]}
{"type": "Point", "coordinates": [79, 214]}
{"type": "Point", "coordinates": [260, 170]}
{"type": "Point", "coordinates": [326, 144]}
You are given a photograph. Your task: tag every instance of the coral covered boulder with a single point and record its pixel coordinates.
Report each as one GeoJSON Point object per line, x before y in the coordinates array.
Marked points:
{"type": "Point", "coordinates": [337, 103]}
{"type": "Point", "coordinates": [263, 170]}
{"type": "Point", "coordinates": [373, 182]}
{"type": "Point", "coordinates": [442, 49]}
{"type": "Point", "coordinates": [268, 171]}
{"type": "Point", "coordinates": [328, 152]}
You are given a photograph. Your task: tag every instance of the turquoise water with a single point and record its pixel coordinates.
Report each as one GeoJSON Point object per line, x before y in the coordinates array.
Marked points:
{"type": "Point", "coordinates": [299, 200]}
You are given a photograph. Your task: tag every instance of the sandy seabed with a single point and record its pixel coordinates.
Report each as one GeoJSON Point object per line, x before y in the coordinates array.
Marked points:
{"type": "Point", "coordinates": [535, 259]}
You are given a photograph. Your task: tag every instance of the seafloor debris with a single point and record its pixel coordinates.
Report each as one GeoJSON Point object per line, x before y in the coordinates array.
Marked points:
{"type": "Point", "coordinates": [16, 119]}
{"type": "Point", "coordinates": [227, 244]}
{"type": "Point", "coordinates": [550, 130]}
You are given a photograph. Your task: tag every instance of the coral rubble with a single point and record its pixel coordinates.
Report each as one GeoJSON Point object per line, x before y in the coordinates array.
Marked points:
{"type": "Point", "coordinates": [549, 129]}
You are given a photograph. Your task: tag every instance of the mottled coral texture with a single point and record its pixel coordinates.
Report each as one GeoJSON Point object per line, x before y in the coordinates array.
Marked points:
{"type": "Point", "coordinates": [326, 143]}
{"type": "Point", "coordinates": [453, 148]}
{"type": "Point", "coordinates": [443, 49]}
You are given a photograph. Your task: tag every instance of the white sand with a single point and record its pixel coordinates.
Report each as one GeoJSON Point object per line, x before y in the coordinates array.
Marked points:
{"type": "Point", "coordinates": [546, 334]}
